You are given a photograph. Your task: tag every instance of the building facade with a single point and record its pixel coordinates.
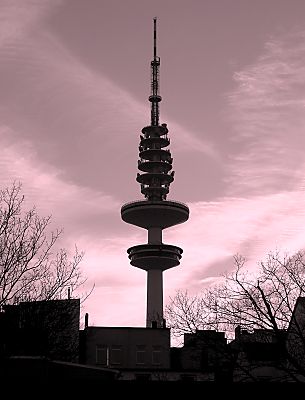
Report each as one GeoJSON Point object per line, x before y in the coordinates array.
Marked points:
{"type": "Point", "coordinates": [136, 352]}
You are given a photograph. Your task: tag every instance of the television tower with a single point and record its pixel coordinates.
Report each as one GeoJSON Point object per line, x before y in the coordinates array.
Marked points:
{"type": "Point", "coordinates": [155, 213]}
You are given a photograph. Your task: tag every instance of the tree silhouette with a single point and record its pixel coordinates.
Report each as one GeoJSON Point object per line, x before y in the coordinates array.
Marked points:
{"type": "Point", "coordinates": [256, 303]}
{"type": "Point", "coordinates": [30, 268]}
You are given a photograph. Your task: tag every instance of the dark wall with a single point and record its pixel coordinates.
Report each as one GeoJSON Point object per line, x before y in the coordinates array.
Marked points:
{"type": "Point", "coordinates": [41, 328]}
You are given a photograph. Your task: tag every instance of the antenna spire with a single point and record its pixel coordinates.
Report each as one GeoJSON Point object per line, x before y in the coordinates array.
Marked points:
{"type": "Point", "coordinates": [155, 98]}
{"type": "Point", "coordinates": [155, 38]}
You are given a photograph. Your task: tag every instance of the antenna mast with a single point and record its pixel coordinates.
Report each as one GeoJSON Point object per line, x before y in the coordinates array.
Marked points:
{"type": "Point", "coordinates": [155, 98]}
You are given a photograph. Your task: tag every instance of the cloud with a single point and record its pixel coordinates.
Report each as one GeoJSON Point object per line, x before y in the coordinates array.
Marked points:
{"type": "Point", "coordinates": [267, 110]}
{"type": "Point", "coordinates": [249, 226]}
{"type": "Point", "coordinates": [17, 17]}
{"type": "Point", "coordinates": [43, 186]}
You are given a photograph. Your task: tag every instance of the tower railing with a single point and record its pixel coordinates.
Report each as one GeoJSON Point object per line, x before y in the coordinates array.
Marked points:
{"type": "Point", "coordinates": [162, 202]}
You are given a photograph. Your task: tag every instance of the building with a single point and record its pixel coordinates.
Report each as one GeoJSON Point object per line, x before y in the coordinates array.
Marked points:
{"type": "Point", "coordinates": [296, 340]}
{"type": "Point", "coordinates": [35, 369]}
{"type": "Point", "coordinates": [138, 353]}
{"type": "Point", "coordinates": [39, 341]}
{"type": "Point", "coordinates": [42, 339]}
{"type": "Point", "coordinates": [144, 354]}
{"type": "Point", "coordinates": [258, 356]}
{"type": "Point", "coordinates": [203, 357]}
{"type": "Point", "coordinates": [41, 328]}
{"type": "Point", "coordinates": [155, 213]}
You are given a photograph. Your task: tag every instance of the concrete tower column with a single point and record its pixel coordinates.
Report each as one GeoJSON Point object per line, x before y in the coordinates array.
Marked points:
{"type": "Point", "coordinates": [154, 310]}
{"type": "Point", "coordinates": [154, 297]}
{"type": "Point", "coordinates": [155, 235]}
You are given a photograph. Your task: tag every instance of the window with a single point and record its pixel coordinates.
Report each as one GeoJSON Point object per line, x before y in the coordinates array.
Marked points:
{"type": "Point", "coordinates": [102, 355]}
{"type": "Point", "coordinates": [142, 377]}
{"type": "Point", "coordinates": [204, 359]}
{"type": "Point", "coordinates": [141, 355]}
{"type": "Point", "coordinates": [116, 355]}
{"type": "Point", "coordinates": [156, 355]}
{"type": "Point", "coordinates": [264, 378]}
{"type": "Point", "coordinates": [185, 377]}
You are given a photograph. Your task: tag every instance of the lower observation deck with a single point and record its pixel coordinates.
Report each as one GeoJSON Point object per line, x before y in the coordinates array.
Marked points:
{"type": "Point", "coordinates": [155, 256]}
{"type": "Point", "coordinates": [147, 214]}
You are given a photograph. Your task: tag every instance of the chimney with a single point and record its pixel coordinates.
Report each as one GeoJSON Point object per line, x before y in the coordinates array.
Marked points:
{"type": "Point", "coordinates": [86, 320]}
{"type": "Point", "coordinates": [237, 332]}
{"type": "Point", "coordinates": [69, 293]}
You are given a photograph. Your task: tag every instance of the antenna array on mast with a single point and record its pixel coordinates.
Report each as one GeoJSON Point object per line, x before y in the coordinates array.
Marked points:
{"type": "Point", "coordinates": [155, 98]}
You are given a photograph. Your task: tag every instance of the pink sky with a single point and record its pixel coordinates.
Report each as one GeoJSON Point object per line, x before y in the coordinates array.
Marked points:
{"type": "Point", "coordinates": [74, 87]}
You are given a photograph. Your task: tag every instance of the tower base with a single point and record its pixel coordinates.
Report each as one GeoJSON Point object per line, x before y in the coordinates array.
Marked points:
{"type": "Point", "coordinates": [154, 312]}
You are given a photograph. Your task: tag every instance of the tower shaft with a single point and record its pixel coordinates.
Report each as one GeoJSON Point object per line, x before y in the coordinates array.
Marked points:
{"type": "Point", "coordinates": [154, 311]}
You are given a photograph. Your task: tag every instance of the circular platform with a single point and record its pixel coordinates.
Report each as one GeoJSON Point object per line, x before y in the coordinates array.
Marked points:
{"type": "Point", "coordinates": [157, 193]}
{"type": "Point", "coordinates": [147, 214]}
{"type": "Point", "coordinates": [154, 256]}
{"type": "Point", "coordinates": [153, 141]}
{"type": "Point", "coordinates": [152, 154]}
{"type": "Point", "coordinates": [149, 177]}
{"type": "Point", "coordinates": [154, 131]}
{"type": "Point", "coordinates": [155, 166]}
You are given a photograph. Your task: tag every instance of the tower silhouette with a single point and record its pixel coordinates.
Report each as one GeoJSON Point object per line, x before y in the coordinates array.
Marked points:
{"type": "Point", "coordinates": [155, 213]}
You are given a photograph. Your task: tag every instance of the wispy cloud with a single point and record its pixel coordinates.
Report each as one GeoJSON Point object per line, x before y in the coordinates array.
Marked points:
{"type": "Point", "coordinates": [17, 17]}
{"type": "Point", "coordinates": [45, 188]}
{"type": "Point", "coordinates": [267, 111]}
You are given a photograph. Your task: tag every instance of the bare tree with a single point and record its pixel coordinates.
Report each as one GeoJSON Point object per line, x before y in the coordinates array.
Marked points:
{"type": "Point", "coordinates": [262, 302]}
{"type": "Point", "coordinates": [30, 268]}
{"type": "Point", "coordinates": [187, 314]}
